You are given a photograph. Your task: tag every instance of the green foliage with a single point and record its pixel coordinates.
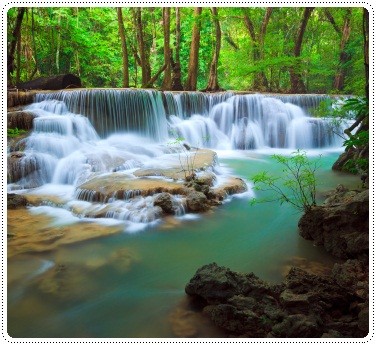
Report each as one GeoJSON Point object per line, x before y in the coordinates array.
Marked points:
{"type": "Point", "coordinates": [85, 41]}
{"type": "Point", "coordinates": [298, 184]}
{"type": "Point", "coordinates": [357, 166]}
{"type": "Point", "coordinates": [358, 105]}
{"type": "Point", "coordinates": [15, 132]}
{"type": "Point", "coordinates": [358, 140]}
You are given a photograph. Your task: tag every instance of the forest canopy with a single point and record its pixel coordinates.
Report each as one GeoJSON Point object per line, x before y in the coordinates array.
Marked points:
{"type": "Point", "coordinates": [314, 50]}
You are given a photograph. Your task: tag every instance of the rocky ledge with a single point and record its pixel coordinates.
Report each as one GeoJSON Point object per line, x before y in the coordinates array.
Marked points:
{"type": "Point", "coordinates": [304, 304]}
{"type": "Point", "coordinates": [340, 224]}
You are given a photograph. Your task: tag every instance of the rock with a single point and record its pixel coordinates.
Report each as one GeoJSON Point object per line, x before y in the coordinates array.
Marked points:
{"type": "Point", "coordinates": [350, 274]}
{"type": "Point", "coordinates": [233, 185]}
{"type": "Point", "coordinates": [342, 228]}
{"type": "Point", "coordinates": [164, 201]}
{"type": "Point", "coordinates": [305, 305]}
{"type": "Point", "coordinates": [215, 284]}
{"type": "Point", "coordinates": [298, 326]}
{"type": "Point", "coordinates": [339, 196]}
{"type": "Point", "coordinates": [15, 201]}
{"type": "Point", "coordinates": [201, 160]}
{"type": "Point", "coordinates": [197, 202]}
{"type": "Point", "coordinates": [120, 186]}
{"type": "Point", "coordinates": [21, 119]}
{"type": "Point", "coordinates": [17, 168]}
{"type": "Point", "coordinates": [16, 98]}
{"type": "Point", "coordinates": [350, 154]}
{"type": "Point", "coordinates": [364, 319]}
{"type": "Point", "coordinates": [206, 178]}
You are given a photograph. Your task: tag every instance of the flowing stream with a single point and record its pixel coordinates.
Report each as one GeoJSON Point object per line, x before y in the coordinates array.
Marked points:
{"type": "Point", "coordinates": [131, 283]}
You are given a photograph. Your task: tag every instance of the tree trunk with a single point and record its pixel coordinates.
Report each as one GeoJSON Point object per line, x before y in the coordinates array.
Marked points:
{"type": "Point", "coordinates": [33, 39]}
{"type": "Point", "coordinates": [191, 83]}
{"type": "Point", "coordinates": [344, 57]}
{"type": "Point", "coordinates": [167, 83]}
{"type": "Point", "coordinates": [365, 49]}
{"type": "Point", "coordinates": [260, 82]}
{"type": "Point", "coordinates": [144, 56]}
{"type": "Point", "coordinates": [155, 77]}
{"type": "Point", "coordinates": [13, 41]}
{"type": "Point", "coordinates": [261, 38]}
{"type": "Point", "coordinates": [57, 56]}
{"type": "Point", "coordinates": [297, 84]}
{"type": "Point", "coordinates": [213, 84]}
{"type": "Point", "coordinates": [124, 48]}
{"type": "Point", "coordinates": [18, 67]}
{"type": "Point", "coordinates": [176, 67]}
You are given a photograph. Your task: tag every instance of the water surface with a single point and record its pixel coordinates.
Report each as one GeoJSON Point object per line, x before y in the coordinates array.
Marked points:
{"type": "Point", "coordinates": [132, 284]}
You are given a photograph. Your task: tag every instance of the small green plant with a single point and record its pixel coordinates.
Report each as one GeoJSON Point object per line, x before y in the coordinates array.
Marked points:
{"type": "Point", "coordinates": [298, 184]}
{"type": "Point", "coordinates": [15, 132]}
{"type": "Point", "coordinates": [187, 155]}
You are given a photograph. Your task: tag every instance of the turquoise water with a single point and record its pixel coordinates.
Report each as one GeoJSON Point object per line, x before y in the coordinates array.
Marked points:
{"type": "Point", "coordinates": [132, 285]}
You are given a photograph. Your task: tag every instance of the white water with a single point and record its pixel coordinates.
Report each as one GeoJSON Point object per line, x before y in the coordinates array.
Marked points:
{"type": "Point", "coordinates": [135, 128]}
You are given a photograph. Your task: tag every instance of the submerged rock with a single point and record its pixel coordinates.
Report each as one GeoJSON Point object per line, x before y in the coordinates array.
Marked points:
{"type": "Point", "coordinates": [304, 305]}
{"type": "Point", "coordinates": [16, 201]}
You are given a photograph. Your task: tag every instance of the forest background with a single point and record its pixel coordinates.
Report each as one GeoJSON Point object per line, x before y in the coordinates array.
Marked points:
{"type": "Point", "coordinates": [297, 50]}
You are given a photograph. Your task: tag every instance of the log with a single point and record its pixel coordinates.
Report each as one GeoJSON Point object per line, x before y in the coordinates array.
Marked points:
{"type": "Point", "coordinates": [56, 82]}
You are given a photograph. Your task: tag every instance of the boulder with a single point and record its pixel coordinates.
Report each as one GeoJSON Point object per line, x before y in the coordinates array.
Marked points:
{"type": "Point", "coordinates": [197, 202]}
{"type": "Point", "coordinates": [341, 227]}
{"type": "Point", "coordinates": [165, 202]}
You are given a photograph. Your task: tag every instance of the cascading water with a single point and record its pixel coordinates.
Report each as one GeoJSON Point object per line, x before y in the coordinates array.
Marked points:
{"type": "Point", "coordinates": [80, 135]}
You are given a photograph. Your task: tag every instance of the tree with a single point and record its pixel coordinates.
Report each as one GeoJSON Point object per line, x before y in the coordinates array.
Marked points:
{"type": "Point", "coordinates": [191, 83]}
{"type": "Point", "coordinates": [365, 49]}
{"type": "Point", "coordinates": [176, 68]}
{"type": "Point", "coordinates": [167, 82]}
{"type": "Point", "coordinates": [297, 84]}
{"type": "Point", "coordinates": [16, 36]}
{"type": "Point", "coordinates": [344, 56]}
{"type": "Point", "coordinates": [260, 80]}
{"type": "Point", "coordinates": [213, 84]}
{"type": "Point", "coordinates": [124, 48]}
{"type": "Point", "coordinates": [144, 53]}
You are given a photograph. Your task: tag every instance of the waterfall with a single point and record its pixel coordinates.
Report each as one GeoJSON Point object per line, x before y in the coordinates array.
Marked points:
{"type": "Point", "coordinates": [139, 111]}
{"type": "Point", "coordinates": [220, 121]}
{"type": "Point", "coordinates": [82, 135]}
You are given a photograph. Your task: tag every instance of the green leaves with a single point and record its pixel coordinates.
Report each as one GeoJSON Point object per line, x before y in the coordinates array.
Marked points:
{"type": "Point", "coordinates": [358, 140]}
{"type": "Point", "coordinates": [296, 186]}
{"type": "Point", "coordinates": [15, 132]}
